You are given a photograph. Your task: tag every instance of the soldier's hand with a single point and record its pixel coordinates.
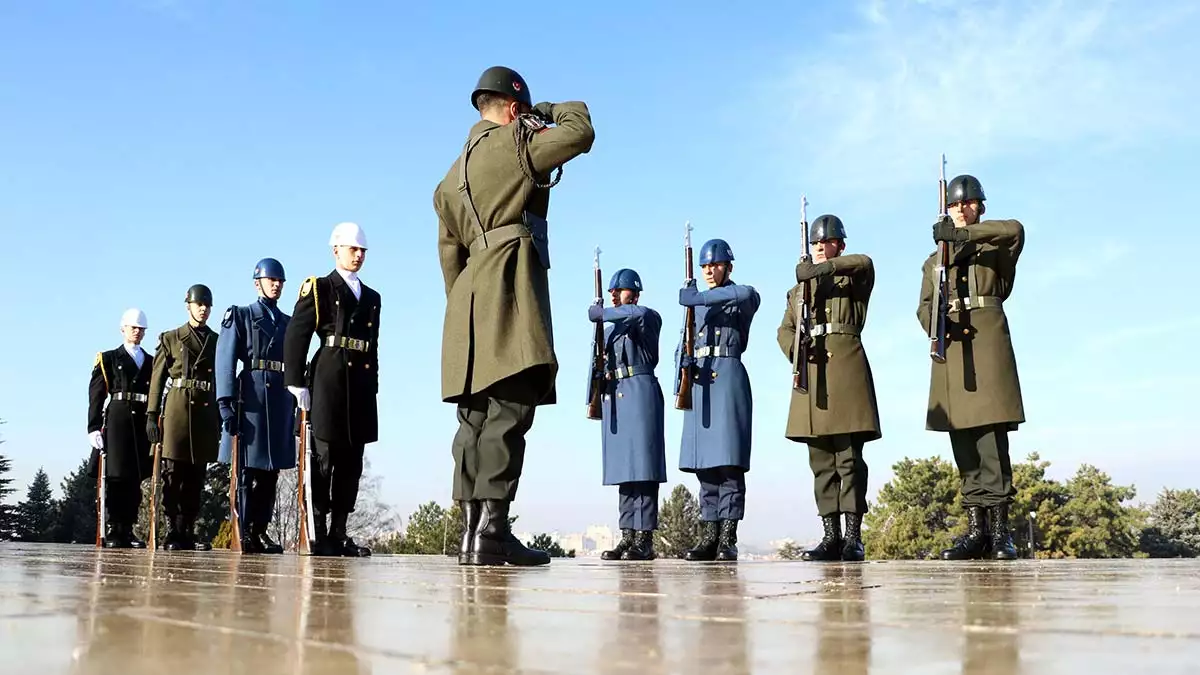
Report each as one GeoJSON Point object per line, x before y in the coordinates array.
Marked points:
{"type": "Point", "coordinates": [302, 397]}
{"type": "Point", "coordinates": [596, 313]}
{"type": "Point", "coordinates": [944, 230]}
{"type": "Point", "coordinates": [152, 429]}
{"type": "Point", "coordinates": [689, 283]}
{"type": "Point", "coordinates": [687, 362]}
{"type": "Point", "coordinates": [96, 439]}
{"type": "Point", "coordinates": [544, 112]}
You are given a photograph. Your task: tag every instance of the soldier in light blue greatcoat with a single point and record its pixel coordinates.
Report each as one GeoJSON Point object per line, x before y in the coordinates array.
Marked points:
{"type": "Point", "coordinates": [633, 440]}
{"type": "Point", "coordinates": [255, 405]}
{"type": "Point", "coordinates": [716, 430]}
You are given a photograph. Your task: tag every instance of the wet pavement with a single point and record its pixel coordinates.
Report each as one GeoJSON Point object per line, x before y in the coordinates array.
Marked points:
{"type": "Point", "coordinates": [72, 609]}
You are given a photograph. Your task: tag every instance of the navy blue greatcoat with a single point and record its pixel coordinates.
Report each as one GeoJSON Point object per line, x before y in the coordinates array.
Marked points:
{"type": "Point", "coordinates": [253, 336]}
{"type": "Point", "coordinates": [716, 431]}
{"type": "Point", "coordinates": [633, 440]}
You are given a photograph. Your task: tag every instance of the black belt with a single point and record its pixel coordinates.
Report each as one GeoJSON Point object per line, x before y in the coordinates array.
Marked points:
{"type": "Point", "coordinates": [347, 343]}
{"type": "Point", "coordinates": [628, 371]}
{"type": "Point", "coordinates": [975, 302]}
{"type": "Point", "coordinates": [262, 364]}
{"type": "Point", "coordinates": [130, 396]}
{"type": "Point", "coordinates": [202, 385]}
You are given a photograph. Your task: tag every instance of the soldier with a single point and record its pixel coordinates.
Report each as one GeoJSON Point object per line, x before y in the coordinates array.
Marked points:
{"type": "Point", "coordinates": [255, 405]}
{"type": "Point", "coordinates": [191, 430]}
{"type": "Point", "coordinates": [498, 363]}
{"type": "Point", "coordinates": [122, 376]}
{"type": "Point", "coordinates": [716, 430]}
{"type": "Point", "coordinates": [838, 414]}
{"type": "Point", "coordinates": [976, 394]}
{"type": "Point", "coordinates": [341, 383]}
{"type": "Point", "coordinates": [633, 442]}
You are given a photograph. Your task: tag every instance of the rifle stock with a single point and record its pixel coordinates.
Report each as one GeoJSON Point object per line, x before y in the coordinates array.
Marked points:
{"type": "Point", "coordinates": [235, 520]}
{"type": "Point", "coordinates": [941, 299]}
{"type": "Point", "coordinates": [594, 410]}
{"type": "Point", "coordinates": [303, 497]}
{"type": "Point", "coordinates": [153, 543]}
{"type": "Point", "coordinates": [800, 342]}
{"type": "Point", "coordinates": [101, 500]}
{"type": "Point", "coordinates": [683, 398]}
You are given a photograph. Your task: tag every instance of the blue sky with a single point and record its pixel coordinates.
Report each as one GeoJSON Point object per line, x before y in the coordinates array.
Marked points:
{"type": "Point", "coordinates": [207, 135]}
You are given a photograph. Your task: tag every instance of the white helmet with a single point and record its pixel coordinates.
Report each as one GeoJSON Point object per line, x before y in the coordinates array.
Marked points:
{"type": "Point", "coordinates": [348, 234]}
{"type": "Point", "coordinates": [134, 317]}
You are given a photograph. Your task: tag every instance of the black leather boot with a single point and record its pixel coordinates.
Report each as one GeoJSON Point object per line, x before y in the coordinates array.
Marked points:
{"type": "Point", "coordinates": [1002, 543]}
{"type": "Point", "coordinates": [112, 536]}
{"type": "Point", "coordinates": [727, 543]}
{"type": "Point", "coordinates": [134, 542]}
{"type": "Point", "coordinates": [707, 548]}
{"type": "Point", "coordinates": [342, 544]}
{"type": "Point", "coordinates": [494, 542]}
{"type": "Point", "coordinates": [852, 546]}
{"type": "Point", "coordinates": [189, 532]}
{"type": "Point", "coordinates": [977, 542]}
{"type": "Point", "coordinates": [250, 543]}
{"type": "Point", "coordinates": [830, 546]}
{"type": "Point", "coordinates": [264, 540]}
{"type": "Point", "coordinates": [622, 546]}
{"type": "Point", "coordinates": [642, 547]}
{"type": "Point", "coordinates": [471, 509]}
{"type": "Point", "coordinates": [319, 537]}
{"type": "Point", "coordinates": [175, 540]}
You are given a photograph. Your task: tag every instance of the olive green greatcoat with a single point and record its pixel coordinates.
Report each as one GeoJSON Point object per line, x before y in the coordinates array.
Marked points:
{"type": "Point", "coordinates": [841, 391]}
{"type": "Point", "coordinates": [978, 383]}
{"type": "Point", "coordinates": [191, 424]}
{"type": "Point", "coordinates": [497, 321]}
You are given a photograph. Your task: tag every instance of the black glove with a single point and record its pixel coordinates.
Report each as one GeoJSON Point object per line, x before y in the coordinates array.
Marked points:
{"type": "Point", "coordinates": [807, 270]}
{"type": "Point", "coordinates": [944, 230]}
{"type": "Point", "coordinates": [545, 112]}
{"type": "Point", "coordinates": [152, 428]}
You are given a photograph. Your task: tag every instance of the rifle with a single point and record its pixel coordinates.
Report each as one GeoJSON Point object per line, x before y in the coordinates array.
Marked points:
{"type": "Point", "coordinates": [235, 518]}
{"type": "Point", "coordinates": [941, 301]}
{"type": "Point", "coordinates": [153, 543]}
{"type": "Point", "coordinates": [306, 525]}
{"type": "Point", "coordinates": [683, 399]}
{"type": "Point", "coordinates": [596, 386]}
{"type": "Point", "coordinates": [801, 341]}
{"type": "Point", "coordinates": [101, 500]}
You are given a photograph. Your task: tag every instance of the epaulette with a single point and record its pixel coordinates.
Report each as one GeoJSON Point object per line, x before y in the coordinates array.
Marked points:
{"type": "Point", "coordinates": [310, 286]}
{"type": "Point", "coordinates": [227, 320]}
{"type": "Point", "coordinates": [100, 362]}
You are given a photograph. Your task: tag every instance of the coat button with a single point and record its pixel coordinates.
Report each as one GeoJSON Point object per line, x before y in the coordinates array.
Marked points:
{"type": "Point", "coordinates": [368, 366]}
{"type": "Point", "coordinates": [369, 324]}
{"type": "Point", "coordinates": [620, 395]}
{"type": "Point", "coordinates": [349, 363]}
{"type": "Point", "coordinates": [966, 331]}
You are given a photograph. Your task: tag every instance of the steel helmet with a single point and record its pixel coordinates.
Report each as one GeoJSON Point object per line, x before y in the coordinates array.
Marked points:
{"type": "Point", "coordinates": [963, 188]}
{"type": "Point", "coordinates": [348, 234]}
{"type": "Point", "coordinates": [827, 227]}
{"type": "Point", "coordinates": [502, 80]}
{"type": "Point", "coordinates": [626, 278]}
{"type": "Point", "coordinates": [715, 251]}
{"type": "Point", "coordinates": [134, 317]}
{"type": "Point", "coordinates": [200, 294]}
{"type": "Point", "coordinates": [269, 268]}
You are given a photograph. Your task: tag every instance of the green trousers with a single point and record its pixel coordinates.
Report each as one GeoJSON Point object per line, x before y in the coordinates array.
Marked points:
{"type": "Point", "coordinates": [984, 467]}
{"type": "Point", "coordinates": [489, 447]}
{"type": "Point", "coordinates": [839, 474]}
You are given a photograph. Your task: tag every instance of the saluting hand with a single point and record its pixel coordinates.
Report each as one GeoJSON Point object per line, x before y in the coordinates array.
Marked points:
{"type": "Point", "coordinates": [545, 112]}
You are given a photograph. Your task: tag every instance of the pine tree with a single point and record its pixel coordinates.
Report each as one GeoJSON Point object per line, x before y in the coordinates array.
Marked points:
{"type": "Point", "coordinates": [75, 521]}
{"type": "Point", "coordinates": [36, 517]}
{"type": "Point", "coordinates": [678, 523]}
{"type": "Point", "coordinates": [7, 515]}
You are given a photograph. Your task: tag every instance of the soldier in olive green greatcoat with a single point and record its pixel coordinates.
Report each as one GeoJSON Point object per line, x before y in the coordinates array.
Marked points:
{"type": "Point", "coordinates": [498, 361]}
{"type": "Point", "coordinates": [191, 421]}
{"type": "Point", "coordinates": [975, 395]}
{"type": "Point", "coordinates": [838, 414]}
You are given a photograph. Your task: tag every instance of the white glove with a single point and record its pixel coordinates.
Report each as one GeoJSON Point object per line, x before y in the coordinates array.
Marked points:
{"type": "Point", "coordinates": [301, 394]}
{"type": "Point", "coordinates": [97, 440]}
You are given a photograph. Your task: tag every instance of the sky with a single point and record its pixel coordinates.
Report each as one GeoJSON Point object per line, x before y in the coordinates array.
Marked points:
{"type": "Point", "coordinates": [147, 145]}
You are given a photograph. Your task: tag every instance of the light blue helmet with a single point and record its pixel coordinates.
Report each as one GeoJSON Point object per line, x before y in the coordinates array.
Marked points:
{"type": "Point", "coordinates": [626, 278]}
{"type": "Point", "coordinates": [269, 268]}
{"type": "Point", "coordinates": [715, 251]}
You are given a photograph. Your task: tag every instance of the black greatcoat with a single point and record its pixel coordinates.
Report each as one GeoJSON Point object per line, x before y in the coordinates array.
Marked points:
{"type": "Point", "coordinates": [123, 422]}
{"type": "Point", "coordinates": [343, 381]}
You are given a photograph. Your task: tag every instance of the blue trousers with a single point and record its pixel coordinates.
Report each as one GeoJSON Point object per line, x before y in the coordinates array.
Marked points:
{"type": "Point", "coordinates": [722, 493]}
{"type": "Point", "coordinates": [639, 506]}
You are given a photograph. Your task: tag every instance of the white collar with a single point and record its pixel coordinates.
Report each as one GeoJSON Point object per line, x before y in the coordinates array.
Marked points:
{"type": "Point", "coordinates": [350, 277]}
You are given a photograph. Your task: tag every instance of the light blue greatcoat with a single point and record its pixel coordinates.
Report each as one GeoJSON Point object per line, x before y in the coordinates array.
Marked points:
{"type": "Point", "coordinates": [716, 431]}
{"type": "Point", "coordinates": [633, 439]}
{"type": "Point", "coordinates": [267, 417]}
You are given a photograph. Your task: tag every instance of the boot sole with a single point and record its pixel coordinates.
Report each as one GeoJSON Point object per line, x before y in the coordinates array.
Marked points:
{"type": "Point", "coordinates": [494, 560]}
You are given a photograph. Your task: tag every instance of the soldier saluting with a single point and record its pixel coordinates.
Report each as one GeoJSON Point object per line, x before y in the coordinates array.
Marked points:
{"type": "Point", "coordinates": [191, 424]}
{"type": "Point", "coordinates": [122, 376]}
{"type": "Point", "coordinates": [716, 429]}
{"type": "Point", "coordinates": [632, 411]}
{"type": "Point", "coordinates": [838, 413]}
{"type": "Point", "coordinates": [341, 383]}
{"type": "Point", "coordinates": [255, 405]}
{"type": "Point", "coordinates": [975, 395]}
{"type": "Point", "coordinates": [498, 361]}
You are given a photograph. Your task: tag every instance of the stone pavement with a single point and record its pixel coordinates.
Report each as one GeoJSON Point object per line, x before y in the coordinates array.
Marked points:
{"type": "Point", "coordinates": [72, 609]}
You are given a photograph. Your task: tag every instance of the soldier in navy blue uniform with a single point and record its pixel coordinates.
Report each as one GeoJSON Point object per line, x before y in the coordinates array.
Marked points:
{"type": "Point", "coordinates": [716, 430]}
{"type": "Point", "coordinates": [341, 383]}
{"type": "Point", "coordinates": [255, 405]}
{"type": "Point", "coordinates": [633, 441]}
{"type": "Point", "coordinates": [118, 431]}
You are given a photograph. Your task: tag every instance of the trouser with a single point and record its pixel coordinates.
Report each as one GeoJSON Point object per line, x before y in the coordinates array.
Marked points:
{"type": "Point", "coordinates": [256, 497]}
{"type": "Point", "coordinates": [489, 447]}
{"type": "Point", "coordinates": [123, 498]}
{"type": "Point", "coordinates": [984, 468]}
{"type": "Point", "coordinates": [183, 482]}
{"type": "Point", "coordinates": [639, 505]}
{"type": "Point", "coordinates": [722, 493]}
{"type": "Point", "coordinates": [336, 467]}
{"type": "Point", "coordinates": [839, 474]}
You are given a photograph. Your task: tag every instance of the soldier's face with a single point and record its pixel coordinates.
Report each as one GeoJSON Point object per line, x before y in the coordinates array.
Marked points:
{"type": "Point", "coordinates": [824, 250]}
{"type": "Point", "coordinates": [965, 213]}
{"type": "Point", "coordinates": [133, 334]}
{"type": "Point", "coordinates": [199, 312]}
{"type": "Point", "coordinates": [715, 274]}
{"type": "Point", "coordinates": [270, 288]}
{"type": "Point", "coordinates": [350, 258]}
{"type": "Point", "coordinates": [624, 296]}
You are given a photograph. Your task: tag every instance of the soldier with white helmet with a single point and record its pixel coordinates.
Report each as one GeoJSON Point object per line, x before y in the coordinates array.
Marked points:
{"type": "Point", "coordinates": [339, 386]}
{"type": "Point", "coordinates": [121, 376]}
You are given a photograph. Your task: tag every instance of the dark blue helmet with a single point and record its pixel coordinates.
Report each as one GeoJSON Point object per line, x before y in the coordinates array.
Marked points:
{"type": "Point", "coordinates": [715, 251]}
{"type": "Point", "coordinates": [269, 268]}
{"type": "Point", "coordinates": [626, 278]}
